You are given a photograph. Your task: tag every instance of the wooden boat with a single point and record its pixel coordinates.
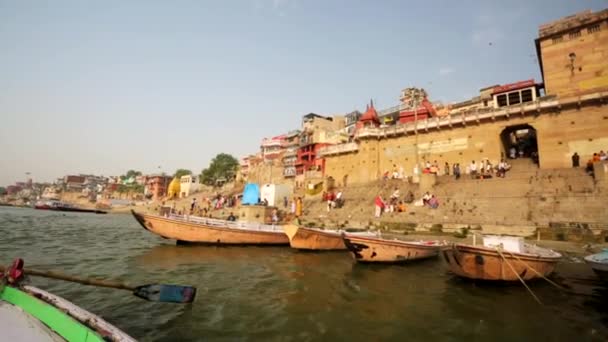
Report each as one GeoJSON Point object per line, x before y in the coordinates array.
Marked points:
{"type": "Point", "coordinates": [318, 239]}
{"type": "Point", "coordinates": [212, 231]}
{"type": "Point", "coordinates": [31, 314]}
{"type": "Point", "coordinates": [599, 264]}
{"type": "Point", "coordinates": [374, 249]}
{"type": "Point", "coordinates": [497, 262]}
{"type": "Point", "coordinates": [61, 206]}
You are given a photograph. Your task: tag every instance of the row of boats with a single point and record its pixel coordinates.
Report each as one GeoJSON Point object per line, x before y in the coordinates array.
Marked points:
{"type": "Point", "coordinates": [498, 258]}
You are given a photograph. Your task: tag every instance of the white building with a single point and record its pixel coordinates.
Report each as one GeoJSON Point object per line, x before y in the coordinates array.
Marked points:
{"type": "Point", "coordinates": [188, 185]}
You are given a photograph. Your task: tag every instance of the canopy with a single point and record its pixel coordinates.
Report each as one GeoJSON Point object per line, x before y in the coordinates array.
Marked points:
{"type": "Point", "coordinates": [251, 194]}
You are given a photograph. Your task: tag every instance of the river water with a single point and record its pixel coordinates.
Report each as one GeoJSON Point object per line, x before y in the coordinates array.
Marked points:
{"type": "Point", "coordinates": [275, 293]}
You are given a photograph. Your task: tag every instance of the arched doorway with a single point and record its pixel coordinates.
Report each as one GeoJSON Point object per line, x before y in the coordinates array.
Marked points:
{"type": "Point", "coordinates": [519, 141]}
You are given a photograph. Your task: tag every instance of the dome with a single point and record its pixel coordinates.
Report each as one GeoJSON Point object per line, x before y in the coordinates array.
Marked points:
{"type": "Point", "coordinates": [174, 188]}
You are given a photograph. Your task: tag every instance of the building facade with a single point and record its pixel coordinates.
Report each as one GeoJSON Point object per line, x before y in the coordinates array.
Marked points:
{"type": "Point", "coordinates": [571, 117]}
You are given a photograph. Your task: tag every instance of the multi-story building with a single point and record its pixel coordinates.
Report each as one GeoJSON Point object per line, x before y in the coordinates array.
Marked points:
{"type": "Point", "coordinates": [273, 148]}
{"type": "Point", "coordinates": [74, 183]}
{"type": "Point", "coordinates": [189, 184]}
{"type": "Point", "coordinates": [317, 132]}
{"type": "Point", "coordinates": [290, 156]}
{"type": "Point", "coordinates": [350, 122]}
{"type": "Point", "coordinates": [156, 186]}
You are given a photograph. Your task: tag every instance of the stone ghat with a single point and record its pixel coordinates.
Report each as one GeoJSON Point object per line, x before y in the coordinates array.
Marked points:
{"type": "Point", "coordinates": [527, 201]}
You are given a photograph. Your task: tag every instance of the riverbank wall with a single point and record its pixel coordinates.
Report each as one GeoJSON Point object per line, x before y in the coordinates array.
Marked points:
{"type": "Point", "coordinates": [557, 204]}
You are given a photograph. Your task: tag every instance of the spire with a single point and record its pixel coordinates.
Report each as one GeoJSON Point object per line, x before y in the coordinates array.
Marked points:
{"type": "Point", "coordinates": [371, 102]}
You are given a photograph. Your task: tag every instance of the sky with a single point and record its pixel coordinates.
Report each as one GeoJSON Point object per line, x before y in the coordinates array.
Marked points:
{"type": "Point", "coordinates": [101, 87]}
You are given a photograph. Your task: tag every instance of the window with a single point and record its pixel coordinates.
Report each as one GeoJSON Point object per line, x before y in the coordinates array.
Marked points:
{"type": "Point", "coordinates": [526, 95]}
{"type": "Point", "coordinates": [502, 100]}
{"type": "Point", "coordinates": [557, 39]}
{"type": "Point", "coordinates": [593, 28]}
{"type": "Point", "coordinates": [514, 98]}
{"type": "Point", "coordinates": [574, 34]}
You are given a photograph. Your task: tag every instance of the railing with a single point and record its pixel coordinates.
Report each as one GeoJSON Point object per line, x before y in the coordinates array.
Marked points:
{"type": "Point", "coordinates": [337, 149]}
{"type": "Point", "coordinates": [228, 224]}
{"type": "Point", "coordinates": [476, 116]}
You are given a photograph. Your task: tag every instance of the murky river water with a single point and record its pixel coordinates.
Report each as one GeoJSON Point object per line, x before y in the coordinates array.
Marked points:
{"type": "Point", "coordinates": [273, 293]}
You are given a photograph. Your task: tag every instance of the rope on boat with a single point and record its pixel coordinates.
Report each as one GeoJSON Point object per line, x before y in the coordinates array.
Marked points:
{"type": "Point", "coordinates": [518, 277]}
{"type": "Point", "coordinates": [538, 273]}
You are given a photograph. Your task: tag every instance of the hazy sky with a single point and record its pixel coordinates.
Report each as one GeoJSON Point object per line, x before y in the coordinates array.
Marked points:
{"type": "Point", "coordinates": [105, 86]}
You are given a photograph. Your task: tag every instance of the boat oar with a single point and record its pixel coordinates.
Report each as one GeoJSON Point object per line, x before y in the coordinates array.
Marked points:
{"type": "Point", "coordinates": [151, 292]}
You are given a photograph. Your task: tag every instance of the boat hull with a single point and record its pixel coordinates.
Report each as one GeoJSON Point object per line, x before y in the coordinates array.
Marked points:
{"type": "Point", "coordinates": [483, 263]}
{"type": "Point", "coordinates": [31, 314]}
{"type": "Point", "coordinates": [600, 268]}
{"type": "Point", "coordinates": [197, 232]}
{"type": "Point", "coordinates": [364, 249]}
{"type": "Point", "coordinates": [313, 239]}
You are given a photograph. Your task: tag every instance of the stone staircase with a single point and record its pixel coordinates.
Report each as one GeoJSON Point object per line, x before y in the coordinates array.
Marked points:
{"type": "Point", "coordinates": [526, 197]}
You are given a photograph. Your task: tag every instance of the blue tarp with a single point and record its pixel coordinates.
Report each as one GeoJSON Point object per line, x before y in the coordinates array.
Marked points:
{"type": "Point", "coordinates": [251, 194]}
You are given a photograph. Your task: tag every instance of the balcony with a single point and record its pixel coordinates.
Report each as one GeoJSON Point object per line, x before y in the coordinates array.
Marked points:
{"type": "Point", "coordinates": [337, 149]}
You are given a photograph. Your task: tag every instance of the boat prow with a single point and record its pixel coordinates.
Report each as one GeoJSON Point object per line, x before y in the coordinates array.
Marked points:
{"type": "Point", "coordinates": [599, 264]}
{"type": "Point", "coordinates": [32, 314]}
{"type": "Point", "coordinates": [196, 229]}
{"type": "Point", "coordinates": [318, 239]}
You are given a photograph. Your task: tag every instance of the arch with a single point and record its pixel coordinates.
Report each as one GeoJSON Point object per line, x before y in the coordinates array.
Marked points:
{"type": "Point", "coordinates": [523, 138]}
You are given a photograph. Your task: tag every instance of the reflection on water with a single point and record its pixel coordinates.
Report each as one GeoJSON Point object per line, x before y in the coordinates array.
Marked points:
{"type": "Point", "coordinates": [275, 293]}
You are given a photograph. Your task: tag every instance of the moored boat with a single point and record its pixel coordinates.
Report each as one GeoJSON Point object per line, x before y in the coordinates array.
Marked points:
{"type": "Point", "coordinates": [318, 239]}
{"type": "Point", "coordinates": [211, 231]}
{"type": "Point", "coordinates": [599, 264]}
{"type": "Point", "coordinates": [61, 206]}
{"type": "Point", "coordinates": [502, 259]}
{"type": "Point", "coordinates": [375, 249]}
{"type": "Point", "coordinates": [31, 314]}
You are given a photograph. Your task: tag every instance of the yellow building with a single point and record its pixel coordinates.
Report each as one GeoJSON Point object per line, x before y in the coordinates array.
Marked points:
{"type": "Point", "coordinates": [174, 188]}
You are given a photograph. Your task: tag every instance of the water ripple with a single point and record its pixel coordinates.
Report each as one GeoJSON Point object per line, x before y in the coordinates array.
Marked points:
{"type": "Point", "coordinates": [277, 294]}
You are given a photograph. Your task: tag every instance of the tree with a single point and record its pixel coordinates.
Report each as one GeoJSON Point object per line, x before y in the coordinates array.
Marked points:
{"type": "Point", "coordinates": [182, 172]}
{"type": "Point", "coordinates": [2, 190]}
{"type": "Point", "coordinates": [222, 167]}
{"type": "Point", "coordinates": [130, 174]}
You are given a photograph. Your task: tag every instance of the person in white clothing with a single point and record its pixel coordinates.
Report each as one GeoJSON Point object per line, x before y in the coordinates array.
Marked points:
{"type": "Point", "coordinates": [473, 168]}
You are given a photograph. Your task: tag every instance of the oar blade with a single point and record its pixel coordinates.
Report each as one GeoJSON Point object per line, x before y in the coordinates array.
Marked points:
{"type": "Point", "coordinates": [166, 293]}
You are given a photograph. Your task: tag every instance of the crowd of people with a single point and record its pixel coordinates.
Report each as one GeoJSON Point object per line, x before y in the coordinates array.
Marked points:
{"type": "Point", "coordinates": [597, 157]}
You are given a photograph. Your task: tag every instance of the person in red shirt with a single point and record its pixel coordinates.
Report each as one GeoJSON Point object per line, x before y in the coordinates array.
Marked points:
{"type": "Point", "coordinates": [379, 203]}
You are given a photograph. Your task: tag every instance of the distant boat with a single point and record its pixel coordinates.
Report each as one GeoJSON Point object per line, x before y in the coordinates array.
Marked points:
{"type": "Point", "coordinates": [318, 239]}
{"type": "Point", "coordinates": [62, 206]}
{"type": "Point", "coordinates": [498, 257]}
{"type": "Point", "coordinates": [212, 231]}
{"type": "Point", "coordinates": [373, 249]}
{"type": "Point", "coordinates": [31, 314]}
{"type": "Point", "coordinates": [599, 264]}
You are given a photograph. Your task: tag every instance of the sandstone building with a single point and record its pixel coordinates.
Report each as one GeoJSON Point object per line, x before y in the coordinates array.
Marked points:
{"type": "Point", "coordinates": [571, 116]}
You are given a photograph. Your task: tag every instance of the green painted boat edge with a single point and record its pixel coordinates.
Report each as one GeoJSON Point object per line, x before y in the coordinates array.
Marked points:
{"type": "Point", "coordinates": [58, 321]}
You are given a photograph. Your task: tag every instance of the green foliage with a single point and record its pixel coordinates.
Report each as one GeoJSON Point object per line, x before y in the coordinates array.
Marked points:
{"type": "Point", "coordinates": [123, 188]}
{"type": "Point", "coordinates": [2, 190]}
{"type": "Point", "coordinates": [222, 167]}
{"type": "Point", "coordinates": [182, 172]}
{"type": "Point", "coordinates": [130, 174]}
